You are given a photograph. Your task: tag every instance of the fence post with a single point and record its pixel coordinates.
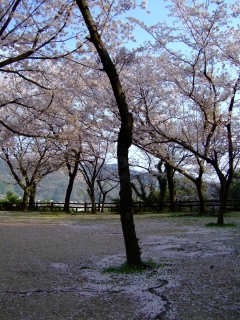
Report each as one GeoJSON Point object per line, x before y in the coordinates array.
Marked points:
{"type": "Point", "coordinates": [85, 206]}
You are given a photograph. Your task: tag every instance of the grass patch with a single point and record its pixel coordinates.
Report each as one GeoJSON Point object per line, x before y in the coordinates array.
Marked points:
{"type": "Point", "coordinates": [220, 225]}
{"type": "Point", "coordinates": [126, 269]}
{"type": "Point", "coordinates": [123, 269]}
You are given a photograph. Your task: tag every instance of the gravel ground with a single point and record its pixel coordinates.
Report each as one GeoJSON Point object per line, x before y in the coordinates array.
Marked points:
{"type": "Point", "coordinates": [51, 268]}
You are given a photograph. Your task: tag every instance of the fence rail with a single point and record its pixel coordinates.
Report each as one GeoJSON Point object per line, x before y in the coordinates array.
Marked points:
{"type": "Point", "coordinates": [139, 206]}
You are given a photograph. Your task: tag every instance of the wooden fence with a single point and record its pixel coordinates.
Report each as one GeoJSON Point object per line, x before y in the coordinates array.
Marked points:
{"type": "Point", "coordinates": [139, 206]}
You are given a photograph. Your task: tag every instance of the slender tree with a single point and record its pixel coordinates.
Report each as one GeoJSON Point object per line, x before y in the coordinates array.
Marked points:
{"type": "Point", "coordinates": [72, 167]}
{"type": "Point", "coordinates": [124, 138]}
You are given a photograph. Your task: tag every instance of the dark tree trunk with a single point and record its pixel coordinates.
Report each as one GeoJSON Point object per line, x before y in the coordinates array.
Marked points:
{"type": "Point", "coordinates": [199, 184]}
{"type": "Point", "coordinates": [32, 195]}
{"type": "Point", "coordinates": [222, 200]}
{"type": "Point", "coordinates": [162, 181]}
{"type": "Point", "coordinates": [131, 241]}
{"type": "Point", "coordinates": [124, 140]}
{"type": "Point", "coordinates": [225, 181]}
{"type": "Point", "coordinates": [224, 187]}
{"type": "Point", "coordinates": [66, 206]}
{"type": "Point", "coordinates": [72, 176]}
{"type": "Point", "coordinates": [25, 200]}
{"type": "Point", "coordinates": [203, 208]}
{"type": "Point", "coordinates": [92, 197]}
{"type": "Point", "coordinates": [171, 188]}
{"type": "Point", "coordinates": [91, 193]}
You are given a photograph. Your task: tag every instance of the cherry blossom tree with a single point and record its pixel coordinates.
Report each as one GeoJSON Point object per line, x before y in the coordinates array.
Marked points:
{"type": "Point", "coordinates": [198, 106]}
{"type": "Point", "coordinates": [148, 105]}
{"type": "Point", "coordinates": [125, 132]}
{"type": "Point", "coordinates": [32, 34]}
{"type": "Point", "coordinates": [29, 160]}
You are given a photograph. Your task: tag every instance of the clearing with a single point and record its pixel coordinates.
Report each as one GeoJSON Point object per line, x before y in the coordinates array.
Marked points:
{"type": "Point", "coordinates": [52, 268]}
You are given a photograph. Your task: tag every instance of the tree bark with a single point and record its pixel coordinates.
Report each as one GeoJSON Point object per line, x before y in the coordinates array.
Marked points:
{"type": "Point", "coordinates": [32, 195]}
{"type": "Point", "coordinates": [25, 200]}
{"type": "Point", "coordinates": [72, 175]}
{"type": "Point", "coordinates": [222, 200]}
{"type": "Point", "coordinates": [162, 181]}
{"type": "Point", "coordinates": [171, 188]}
{"type": "Point", "coordinates": [92, 197]}
{"type": "Point", "coordinates": [124, 140]}
{"type": "Point", "coordinates": [66, 206]}
{"type": "Point", "coordinates": [225, 181]}
{"type": "Point", "coordinates": [222, 207]}
{"type": "Point", "coordinates": [203, 208]}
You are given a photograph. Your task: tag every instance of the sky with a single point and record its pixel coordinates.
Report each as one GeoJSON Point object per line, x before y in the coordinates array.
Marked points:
{"type": "Point", "coordinates": [157, 9]}
{"type": "Point", "coordinates": [157, 12]}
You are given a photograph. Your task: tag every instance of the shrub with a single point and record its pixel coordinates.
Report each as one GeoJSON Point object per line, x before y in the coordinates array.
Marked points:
{"type": "Point", "coordinates": [11, 198]}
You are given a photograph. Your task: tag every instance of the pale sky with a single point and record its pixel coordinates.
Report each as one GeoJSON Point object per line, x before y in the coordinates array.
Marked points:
{"type": "Point", "coordinates": [157, 9]}
{"type": "Point", "coordinates": [158, 12]}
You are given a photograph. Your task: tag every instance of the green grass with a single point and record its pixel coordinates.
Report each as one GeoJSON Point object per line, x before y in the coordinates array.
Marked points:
{"type": "Point", "coordinates": [126, 269]}
{"type": "Point", "coordinates": [220, 225]}
{"type": "Point", "coordinates": [123, 269]}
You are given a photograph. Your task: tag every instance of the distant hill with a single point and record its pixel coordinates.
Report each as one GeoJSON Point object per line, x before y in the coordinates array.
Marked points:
{"type": "Point", "coordinates": [7, 183]}
{"type": "Point", "coordinates": [52, 187]}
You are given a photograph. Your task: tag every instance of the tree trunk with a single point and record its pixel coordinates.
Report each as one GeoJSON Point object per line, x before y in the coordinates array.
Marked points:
{"type": "Point", "coordinates": [225, 181]}
{"type": "Point", "coordinates": [222, 200]}
{"type": "Point", "coordinates": [203, 208]}
{"type": "Point", "coordinates": [124, 140]}
{"type": "Point", "coordinates": [66, 206]}
{"type": "Point", "coordinates": [25, 200]}
{"type": "Point", "coordinates": [92, 196]}
{"type": "Point", "coordinates": [171, 188]}
{"type": "Point", "coordinates": [103, 201]}
{"type": "Point", "coordinates": [72, 176]}
{"type": "Point", "coordinates": [32, 195]}
{"type": "Point", "coordinates": [162, 181]}
{"type": "Point", "coordinates": [126, 213]}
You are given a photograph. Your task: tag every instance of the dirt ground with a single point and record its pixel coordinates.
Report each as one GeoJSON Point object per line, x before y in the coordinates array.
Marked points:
{"type": "Point", "coordinates": [51, 267]}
